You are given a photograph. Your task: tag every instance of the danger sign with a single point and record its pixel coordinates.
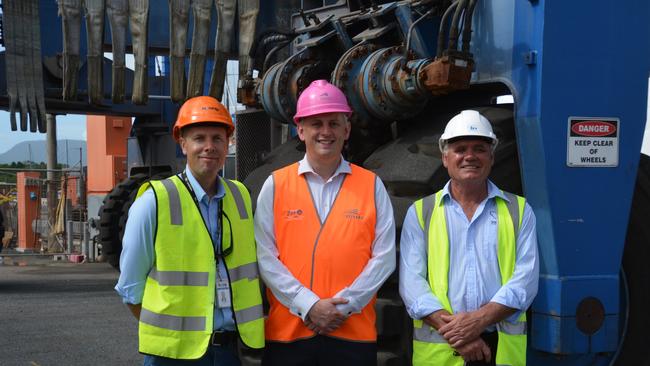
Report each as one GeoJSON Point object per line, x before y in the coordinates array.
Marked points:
{"type": "Point", "coordinates": [592, 142]}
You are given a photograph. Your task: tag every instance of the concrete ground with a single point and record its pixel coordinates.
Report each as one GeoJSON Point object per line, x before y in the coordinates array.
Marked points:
{"type": "Point", "coordinates": [62, 313]}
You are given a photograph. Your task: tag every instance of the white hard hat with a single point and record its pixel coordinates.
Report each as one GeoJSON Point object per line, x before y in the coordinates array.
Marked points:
{"type": "Point", "coordinates": [468, 123]}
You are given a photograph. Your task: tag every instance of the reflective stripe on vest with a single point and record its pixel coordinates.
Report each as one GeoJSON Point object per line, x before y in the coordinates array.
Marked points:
{"type": "Point", "coordinates": [429, 347]}
{"type": "Point", "coordinates": [324, 256]}
{"type": "Point", "coordinates": [178, 304]}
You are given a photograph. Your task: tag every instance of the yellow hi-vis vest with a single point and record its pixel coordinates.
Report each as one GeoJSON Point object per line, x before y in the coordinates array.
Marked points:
{"type": "Point", "coordinates": [429, 347]}
{"type": "Point", "coordinates": [179, 296]}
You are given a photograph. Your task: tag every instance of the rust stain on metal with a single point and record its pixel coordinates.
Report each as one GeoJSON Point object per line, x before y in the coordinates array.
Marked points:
{"type": "Point", "coordinates": [447, 74]}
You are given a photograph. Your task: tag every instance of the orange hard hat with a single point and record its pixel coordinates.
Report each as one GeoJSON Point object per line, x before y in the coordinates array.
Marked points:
{"type": "Point", "coordinates": [201, 110]}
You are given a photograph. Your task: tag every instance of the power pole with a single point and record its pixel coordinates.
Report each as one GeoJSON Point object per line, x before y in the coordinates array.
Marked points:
{"type": "Point", "coordinates": [52, 179]}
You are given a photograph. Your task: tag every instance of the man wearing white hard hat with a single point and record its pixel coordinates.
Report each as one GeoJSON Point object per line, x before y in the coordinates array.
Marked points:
{"type": "Point", "coordinates": [325, 242]}
{"type": "Point", "coordinates": [469, 267]}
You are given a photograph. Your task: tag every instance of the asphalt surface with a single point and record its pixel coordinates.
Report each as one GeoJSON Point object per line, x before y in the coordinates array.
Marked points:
{"type": "Point", "coordinates": [61, 313]}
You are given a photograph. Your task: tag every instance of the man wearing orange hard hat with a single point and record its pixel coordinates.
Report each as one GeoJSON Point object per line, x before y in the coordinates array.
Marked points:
{"type": "Point", "coordinates": [325, 242]}
{"type": "Point", "coordinates": [189, 266]}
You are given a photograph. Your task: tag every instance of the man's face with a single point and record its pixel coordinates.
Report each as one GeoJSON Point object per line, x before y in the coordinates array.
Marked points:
{"type": "Point", "coordinates": [324, 135]}
{"type": "Point", "coordinates": [206, 148]}
{"type": "Point", "coordinates": [468, 160]}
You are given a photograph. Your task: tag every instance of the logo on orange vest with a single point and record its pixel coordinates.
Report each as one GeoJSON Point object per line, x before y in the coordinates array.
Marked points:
{"type": "Point", "coordinates": [293, 214]}
{"type": "Point", "coordinates": [353, 214]}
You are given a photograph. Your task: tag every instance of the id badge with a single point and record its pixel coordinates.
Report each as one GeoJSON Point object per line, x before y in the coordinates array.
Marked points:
{"type": "Point", "coordinates": [223, 294]}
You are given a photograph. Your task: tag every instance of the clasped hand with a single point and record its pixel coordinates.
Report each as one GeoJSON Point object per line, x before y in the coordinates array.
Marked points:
{"type": "Point", "coordinates": [461, 328]}
{"type": "Point", "coordinates": [462, 331]}
{"type": "Point", "coordinates": [324, 317]}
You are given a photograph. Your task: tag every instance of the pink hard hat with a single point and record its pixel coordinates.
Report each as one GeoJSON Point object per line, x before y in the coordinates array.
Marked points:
{"type": "Point", "coordinates": [321, 97]}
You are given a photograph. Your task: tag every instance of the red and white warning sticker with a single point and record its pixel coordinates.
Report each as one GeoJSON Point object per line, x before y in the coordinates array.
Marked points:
{"type": "Point", "coordinates": [592, 142]}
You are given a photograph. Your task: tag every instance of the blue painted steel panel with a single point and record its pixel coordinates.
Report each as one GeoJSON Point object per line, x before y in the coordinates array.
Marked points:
{"type": "Point", "coordinates": [580, 70]}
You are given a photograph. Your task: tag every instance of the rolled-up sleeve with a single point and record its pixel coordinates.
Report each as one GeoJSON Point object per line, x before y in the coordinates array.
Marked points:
{"type": "Point", "coordinates": [277, 277]}
{"type": "Point", "coordinates": [413, 286]}
{"type": "Point", "coordinates": [519, 292]}
{"type": "Point", "coordinates": [138, 254]}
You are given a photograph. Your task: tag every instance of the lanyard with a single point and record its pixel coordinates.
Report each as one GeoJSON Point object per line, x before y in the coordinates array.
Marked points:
{"type": "Point", "coordinates": [218, 249]}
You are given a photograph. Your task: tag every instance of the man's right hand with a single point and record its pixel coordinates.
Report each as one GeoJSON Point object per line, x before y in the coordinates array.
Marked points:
{"type": "Point", "coordinates": [476, 350]}
{"type": "Point", "coordinates": [323, 317]}
{"type": "Point", "coordinates": [135, 309]}
{"type": "Point", "coordinates": [435, 319]}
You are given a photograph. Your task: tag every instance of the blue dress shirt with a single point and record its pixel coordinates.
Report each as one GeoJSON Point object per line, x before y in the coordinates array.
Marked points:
{"type": "Point", "coordinates": [474, 277]}
{"type": "Point", "coordinates": [138, 253]}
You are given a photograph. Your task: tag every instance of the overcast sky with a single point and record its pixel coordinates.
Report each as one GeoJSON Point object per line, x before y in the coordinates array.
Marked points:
{"type": "Point", "coordinates": [69, 127]}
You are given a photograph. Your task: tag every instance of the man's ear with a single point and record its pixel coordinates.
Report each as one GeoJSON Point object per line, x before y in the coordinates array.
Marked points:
{"type": "Point", "coordinates": [301, 131]}
{"type": "Point", "coordinates": [182, 143]}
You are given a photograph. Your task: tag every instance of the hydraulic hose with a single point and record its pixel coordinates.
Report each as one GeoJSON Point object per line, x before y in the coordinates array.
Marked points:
{"type": "Point", "coordinates": [269, 55]}
{"type": "Point", "coordinates": [455, 24]}
{"type": "Point", "coordinates": [443, 28]}
{"type": "Point", "coordinates": [467, 25]}
{"type": "Point", "coordinates": [272, 33]}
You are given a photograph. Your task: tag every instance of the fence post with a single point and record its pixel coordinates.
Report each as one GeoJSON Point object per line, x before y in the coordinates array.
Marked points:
{"type": "Point", "coordinates": [68, 235]}
{"type": "Point", "coordinates": [85, 247]}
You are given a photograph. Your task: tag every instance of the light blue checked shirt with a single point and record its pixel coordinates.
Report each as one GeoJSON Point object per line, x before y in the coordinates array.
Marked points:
{"type": "Point", "coordinates": [474, 277]}
{"type": "Point", "coordinates": [138, 253]}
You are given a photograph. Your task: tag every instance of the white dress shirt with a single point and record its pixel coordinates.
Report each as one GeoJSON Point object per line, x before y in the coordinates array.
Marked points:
{"type": "Point", "coordinates": [474, 276]}
{"type": "Point", "coordinates": [287, 289]}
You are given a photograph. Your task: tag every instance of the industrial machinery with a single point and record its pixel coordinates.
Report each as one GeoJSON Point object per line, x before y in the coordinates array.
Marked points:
{"type": "Point", "coordinates": [570, 128]}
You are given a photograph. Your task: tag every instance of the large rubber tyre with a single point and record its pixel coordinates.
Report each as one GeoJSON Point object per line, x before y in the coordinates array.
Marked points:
{"type": "Point", "coordinates": [634, 348]}
{"type": "Point", "coordinates": [396, 164]}
{"type": "Point", "coordinates": [112, 218]}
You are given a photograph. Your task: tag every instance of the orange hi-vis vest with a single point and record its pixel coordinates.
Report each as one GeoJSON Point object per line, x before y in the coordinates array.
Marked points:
{"type": "Point", "coordinates": [325, 257]}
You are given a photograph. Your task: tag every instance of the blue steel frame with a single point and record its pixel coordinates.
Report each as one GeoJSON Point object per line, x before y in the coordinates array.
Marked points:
{"type": "Point", "coordinates": [561, 59]}
{"type": "Point", "coordinates": [158, 39]}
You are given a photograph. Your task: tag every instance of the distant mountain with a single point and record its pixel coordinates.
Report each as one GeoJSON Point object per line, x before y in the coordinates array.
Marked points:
{"type": "Point", "coordinates": [36, 151]}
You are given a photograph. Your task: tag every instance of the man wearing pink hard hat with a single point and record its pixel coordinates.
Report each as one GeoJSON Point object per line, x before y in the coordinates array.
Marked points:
{"type": "Point", "coordinates": [325, 243]}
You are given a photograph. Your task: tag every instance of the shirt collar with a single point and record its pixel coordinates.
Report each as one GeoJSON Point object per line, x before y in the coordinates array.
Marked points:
{"type": "Point", "coordinates": [493, 191]}
{"type": "Point", "coordinates": [305, 167]}
{"type": "Point", "coordinates": [198, 190]}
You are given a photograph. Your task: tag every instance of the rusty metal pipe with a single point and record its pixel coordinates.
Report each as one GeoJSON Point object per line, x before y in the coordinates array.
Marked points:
{"type": "Point", "coordinates": [410, 32]}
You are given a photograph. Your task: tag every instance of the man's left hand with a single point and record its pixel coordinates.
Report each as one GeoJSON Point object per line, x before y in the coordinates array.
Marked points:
{"type": "Point", "coordinates": [323, 317]}
{"type": "Point", "coordinates": [462, 328]}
